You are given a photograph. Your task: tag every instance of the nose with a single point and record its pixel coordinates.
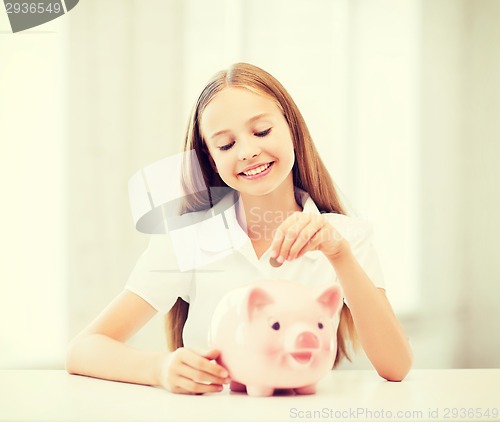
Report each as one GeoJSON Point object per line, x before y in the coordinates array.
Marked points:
{"type": "Point", "coordinates": [307, 340]}
{"type": "Point", "coordinates": [247, 148]}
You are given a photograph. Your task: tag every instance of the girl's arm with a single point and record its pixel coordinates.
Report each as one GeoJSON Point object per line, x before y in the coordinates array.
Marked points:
{"type": "Point", "coordinates": [378, 329]}
{"type": "Point", "coordinates": [100, 351]}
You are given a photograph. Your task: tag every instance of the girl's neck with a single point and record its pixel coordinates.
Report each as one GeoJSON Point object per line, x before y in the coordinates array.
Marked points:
{"type": "Point", "coordinates": [260, 216]}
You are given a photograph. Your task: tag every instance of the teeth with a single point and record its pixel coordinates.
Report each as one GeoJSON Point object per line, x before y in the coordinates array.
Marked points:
{"type": "Point", "coordinates": [257, 170]}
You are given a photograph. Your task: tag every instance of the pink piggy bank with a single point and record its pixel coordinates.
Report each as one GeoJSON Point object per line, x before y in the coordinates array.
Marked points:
{"type": "Point", "coordinates": [276, 335]}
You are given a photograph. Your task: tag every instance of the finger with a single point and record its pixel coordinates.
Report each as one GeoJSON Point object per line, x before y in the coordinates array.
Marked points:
{"type": "Point", "coordinates": [179, 390]}
{"type": "Point", "coordinates": [211, 354]}
{"type": "Point", "coordinates": [279, 235]}
{"type": "Point", "coordinates": [203, 364]}
{"type": "Point", "coordinates": [313, 243]}
{"type": "Point", "coordinates": [305, 236]}
{"type": "Point", "coordinates": [297, 224]}
{"type": "Point", "coordinates": [200, 376]}
{"type": "Point", "coordinates": [276, 243]}
{"type": "Point", "coordinates": [193, 387]}
{"type": "Point", "coordinates": [290, 238]}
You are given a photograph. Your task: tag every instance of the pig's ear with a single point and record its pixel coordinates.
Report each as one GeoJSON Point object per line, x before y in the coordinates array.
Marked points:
{"type": "Point", "coordinates": [330, 298]}
{"type": "Point", "coordinates": [257, 299]}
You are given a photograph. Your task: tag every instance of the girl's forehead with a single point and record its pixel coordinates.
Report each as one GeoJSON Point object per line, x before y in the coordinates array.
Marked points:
{"type": "Point", "coordinates": [236, 104]}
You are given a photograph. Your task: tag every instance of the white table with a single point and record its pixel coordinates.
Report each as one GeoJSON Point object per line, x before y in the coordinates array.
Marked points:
{"type": "Point", "coordinates": [431, 395]}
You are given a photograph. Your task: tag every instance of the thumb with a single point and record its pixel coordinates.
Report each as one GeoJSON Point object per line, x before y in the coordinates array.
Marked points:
{"type": "Point", "coordinates": [212, 354]}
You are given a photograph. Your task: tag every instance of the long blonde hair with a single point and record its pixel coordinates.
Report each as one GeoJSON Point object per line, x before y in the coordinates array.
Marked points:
{"type": "Point", "coordinates": [309, 174]}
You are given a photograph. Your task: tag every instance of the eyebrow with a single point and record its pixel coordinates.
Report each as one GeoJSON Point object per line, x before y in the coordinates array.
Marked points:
{"type": "Point", "coordinates": [251, 120]}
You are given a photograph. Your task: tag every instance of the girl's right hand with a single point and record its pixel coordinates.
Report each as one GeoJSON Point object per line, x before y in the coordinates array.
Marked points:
{"type": "Point", "coordinates": [186, 372]}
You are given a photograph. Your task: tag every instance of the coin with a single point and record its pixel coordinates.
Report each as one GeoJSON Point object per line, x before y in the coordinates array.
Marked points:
{"type": "Point", "coordinates": [274, 263]}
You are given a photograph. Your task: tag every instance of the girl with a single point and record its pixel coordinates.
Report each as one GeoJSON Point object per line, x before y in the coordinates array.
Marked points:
{"type": "Point", "coordinates": [278, 206]}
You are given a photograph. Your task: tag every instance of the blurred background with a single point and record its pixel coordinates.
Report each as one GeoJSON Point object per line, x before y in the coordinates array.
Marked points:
{"type": "Point", "coordinates": [402, 98]}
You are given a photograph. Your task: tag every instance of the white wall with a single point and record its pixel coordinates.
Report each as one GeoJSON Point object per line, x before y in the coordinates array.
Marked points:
{"type": "Point", "coordinates": [33, 182]}
{"type": "Point", "coordinates": [480, 187]}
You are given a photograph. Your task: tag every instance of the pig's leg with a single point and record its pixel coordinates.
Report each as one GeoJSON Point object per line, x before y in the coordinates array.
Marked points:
{"type": "Point", "coordinates": [259, 391]}
{"type": "Point", "coordinates": [236, 386]}
{"type": "Point", "coordinates": [308, 389]}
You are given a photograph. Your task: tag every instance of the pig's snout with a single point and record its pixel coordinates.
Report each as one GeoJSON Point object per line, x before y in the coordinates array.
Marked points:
{"type": "Point", "coordinates": [307, 340]}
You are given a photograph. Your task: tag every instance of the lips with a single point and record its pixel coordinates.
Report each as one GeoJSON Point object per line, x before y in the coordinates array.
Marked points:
{"type": "Point", "coordinates": [256, 170]}
{"type": "Point", "coordinates": [302, 358]}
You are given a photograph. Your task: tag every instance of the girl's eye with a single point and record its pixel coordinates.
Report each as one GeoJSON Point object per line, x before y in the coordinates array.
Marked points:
{"type": "Point", "coordinates": [276, 326]}
{"type": "Point", "coordinates": [226, 147]}
{"type": "Point", "coordinates": [320, 325]}
{"type": "Point", "coordinates": [263, 133]}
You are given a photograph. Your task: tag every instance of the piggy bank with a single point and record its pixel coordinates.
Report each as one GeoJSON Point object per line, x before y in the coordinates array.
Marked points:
{"type": "Point", "coordinates": [276, 335]}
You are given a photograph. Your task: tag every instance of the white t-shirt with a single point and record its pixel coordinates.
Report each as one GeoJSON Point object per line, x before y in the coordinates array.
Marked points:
{"type": "Point", "coordinates": [202, 261]}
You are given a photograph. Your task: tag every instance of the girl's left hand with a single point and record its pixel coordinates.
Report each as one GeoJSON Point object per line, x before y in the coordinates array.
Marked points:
{"type": "Point", "coordinates": [304, 232]}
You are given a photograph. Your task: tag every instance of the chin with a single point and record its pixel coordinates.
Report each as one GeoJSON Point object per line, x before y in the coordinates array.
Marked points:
{"type": "Point", "coordinates": [257, 191]}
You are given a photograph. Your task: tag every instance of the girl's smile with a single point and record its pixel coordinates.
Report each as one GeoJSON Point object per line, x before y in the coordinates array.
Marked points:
{"type": "Point", "coordinates": [257, 171]}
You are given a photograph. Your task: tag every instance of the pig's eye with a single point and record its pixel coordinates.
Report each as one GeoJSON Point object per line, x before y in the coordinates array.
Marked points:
{"type": "Point", "coordinates": [276, 326]}
{"type": "Point", "coordinates": [320, 325]}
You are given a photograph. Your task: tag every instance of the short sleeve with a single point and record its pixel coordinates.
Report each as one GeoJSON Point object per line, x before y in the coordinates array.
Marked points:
{"type": "Point", "coordinates": [359, 234]}
{"type": "Point", "coordinates": [156, 276]}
